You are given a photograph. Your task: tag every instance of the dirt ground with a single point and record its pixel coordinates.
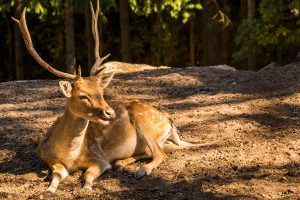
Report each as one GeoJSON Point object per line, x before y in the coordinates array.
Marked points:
{"type": "Point", "coordinates": [251, 119]}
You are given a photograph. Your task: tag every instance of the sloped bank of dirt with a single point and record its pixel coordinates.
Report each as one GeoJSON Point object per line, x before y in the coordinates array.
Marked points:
{"type": "Point", "coordinates": [252, 120]}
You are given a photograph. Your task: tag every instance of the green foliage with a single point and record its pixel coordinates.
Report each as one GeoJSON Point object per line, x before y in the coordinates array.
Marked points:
{"type": "Point", "coordinates": [5, 6]}
{"type": "Point", "coordinates": [175, 8]}
{"type": "Point", "coordinates": [167, 23]}
{"type": "Point", "coordinates": [277, 27]}
{"type": "Point", "coordinates": [159, 31]}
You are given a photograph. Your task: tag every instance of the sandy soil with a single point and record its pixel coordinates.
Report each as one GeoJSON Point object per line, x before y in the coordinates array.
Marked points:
{"type": "Point", "coordinates": [252, 120]}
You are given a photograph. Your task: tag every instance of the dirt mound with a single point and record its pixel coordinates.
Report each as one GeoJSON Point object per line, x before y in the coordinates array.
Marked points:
{"type": "Point", "coordinates": [252, 120]}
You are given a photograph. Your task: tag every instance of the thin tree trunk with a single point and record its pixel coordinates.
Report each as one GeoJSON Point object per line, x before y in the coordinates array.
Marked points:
{"type": "Point", "coordinates": [18, 45]}
{"type": "Point", "coordinates": [88, 33]}
{"type": "Point", "coordinates": [243, 9]}
{"type": "Point", "coordinates": [125, 30]}
{"type": "Point", "coordinates": [157, 53]}
{"type": "Point", "coordinates": [70, 36]}
{"type": "Point", "coordinates": [192, 42]}
{"type": "Point", "coordinates": [243, 15]}
{"type": "Point", "coordinates": [205, 37]}
{"type": "Point", "coordinates": [251, 14]}
{"type": "Point", "coordinates": [251, 8]}
{"type": "Point", "coordinates": [225, 50]}
{"type": "Point", "coordinates": [10, 45]}
{"type": "Point", "coordinates": [212, 42]}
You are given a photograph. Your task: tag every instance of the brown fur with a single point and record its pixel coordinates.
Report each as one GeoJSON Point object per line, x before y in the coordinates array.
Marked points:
{"type": "Point", "coordinates": [77, 140]}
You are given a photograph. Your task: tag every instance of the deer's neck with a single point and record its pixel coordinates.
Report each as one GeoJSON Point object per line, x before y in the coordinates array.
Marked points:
{"type": "Point", "coordinates": [74, 126]}
{"type": "Point", "coordinates": [69, 134]}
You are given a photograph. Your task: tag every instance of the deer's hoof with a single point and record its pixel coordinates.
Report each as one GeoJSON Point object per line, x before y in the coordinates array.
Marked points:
{"type": "Point", "coordinates": [141, 172]}
{"type": "Point", "coordinates": [50, 190]}
{"type": "Point", "coordinates": [118, 167]}
{"type": "Point", "coordinates": [87, 187]}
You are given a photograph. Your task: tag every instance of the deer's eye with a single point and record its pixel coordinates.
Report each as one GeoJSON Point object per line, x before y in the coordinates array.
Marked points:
{"type": "Point", "coordinates": [83, 97]}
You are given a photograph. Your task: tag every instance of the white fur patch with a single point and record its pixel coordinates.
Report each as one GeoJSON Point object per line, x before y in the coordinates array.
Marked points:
{"type": "Point", "coordinates": [64, 173]}
{"type": "Point", "coordinates": [77, 142]}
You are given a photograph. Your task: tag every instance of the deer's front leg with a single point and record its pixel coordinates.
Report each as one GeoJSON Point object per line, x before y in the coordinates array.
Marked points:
{"type": "Point", "coordinates": [93, 172]}
{"type": "Point", "coordinates": [59, 174]}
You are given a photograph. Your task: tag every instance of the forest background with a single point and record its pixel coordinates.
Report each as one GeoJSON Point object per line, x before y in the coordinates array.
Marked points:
{"type": "Point", "coordinates": [245, 34]}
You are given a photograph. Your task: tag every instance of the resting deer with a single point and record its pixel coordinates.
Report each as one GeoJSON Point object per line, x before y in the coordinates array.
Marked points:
{"type": "Point", "coordinates": [91, 135]}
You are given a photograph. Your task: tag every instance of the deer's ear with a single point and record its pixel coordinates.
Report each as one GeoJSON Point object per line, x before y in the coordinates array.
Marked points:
{"type": "Point", "coordinates": [66, 88]}
{"type": "Point", "coordinates": [105, 79]}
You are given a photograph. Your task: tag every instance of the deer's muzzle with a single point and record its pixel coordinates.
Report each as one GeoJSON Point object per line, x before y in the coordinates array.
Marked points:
{"type": "Point", "coordinates": [109, 113]}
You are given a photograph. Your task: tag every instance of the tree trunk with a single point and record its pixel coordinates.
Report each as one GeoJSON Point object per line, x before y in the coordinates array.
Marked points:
{"type": "Point", "coordinates": [18, 45]}
{"type": "Point", "coordinates": [70, 36]}
{"type": "Point", "coordinates": [251, 14]}
{"type": "Point", "coordinates": [243, 9]}
{"type": "Point", "coordinates": [192, 42]}
{"type": "Point", "coordinates": [125, 30]}
{"type": "Point", "coordinates": [225, 49]}
{"type": "Point", "coordinates": [156, 45]}
{"type": "Point", "coordinates": [212, 42]}
{"type": "Point", "coordinates": [88, 32]}
{"type": "Point", "coordinates": [10, 44]}
{"type": "Point", "coordinates": [251, 8]}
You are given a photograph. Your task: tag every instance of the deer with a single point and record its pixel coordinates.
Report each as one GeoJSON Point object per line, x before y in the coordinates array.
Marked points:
{"type": "Point", "coordinates": [92, 135]}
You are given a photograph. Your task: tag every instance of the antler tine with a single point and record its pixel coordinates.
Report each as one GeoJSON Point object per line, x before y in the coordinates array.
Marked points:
{"type": "Point", "coordinates": [98, 70]}
{"type": "Point", "coordinates": [95, 30]}
{"type": "Point", "coordinates": [29, 45]}
{"type": "Point", "coordinates": [98, 59]}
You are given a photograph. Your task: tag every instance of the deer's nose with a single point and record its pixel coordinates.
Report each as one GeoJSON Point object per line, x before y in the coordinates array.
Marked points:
{"type": "Point", "coordinates": [109, 113]}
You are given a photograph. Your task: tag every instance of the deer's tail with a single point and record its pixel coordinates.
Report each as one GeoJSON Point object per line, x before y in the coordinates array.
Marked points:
{"type": "Point", "coordinates": [175, 138]}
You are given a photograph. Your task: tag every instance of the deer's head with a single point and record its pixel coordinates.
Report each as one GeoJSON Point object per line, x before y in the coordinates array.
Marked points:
{"type": "Point", "coordinates": [85, 98]}
{"type": "Point", "coordinates": [84, 95]}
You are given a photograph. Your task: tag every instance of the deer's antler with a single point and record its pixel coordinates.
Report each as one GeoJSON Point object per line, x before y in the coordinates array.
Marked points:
{"type": "Point", "coordinates": [29, 45]}
{"type": "Point", "coordinates": [98, 60]}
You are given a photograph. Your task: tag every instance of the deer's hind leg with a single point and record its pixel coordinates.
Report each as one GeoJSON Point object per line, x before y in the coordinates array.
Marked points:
{"type": "Point", "coordinates": [153, 127]}
{"type": "Point", "coordinates": [120, 164]}
{"type": "Point", "coordinates": [157, 153]}
{"type": "Point", "coordinates": [59, 174]}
